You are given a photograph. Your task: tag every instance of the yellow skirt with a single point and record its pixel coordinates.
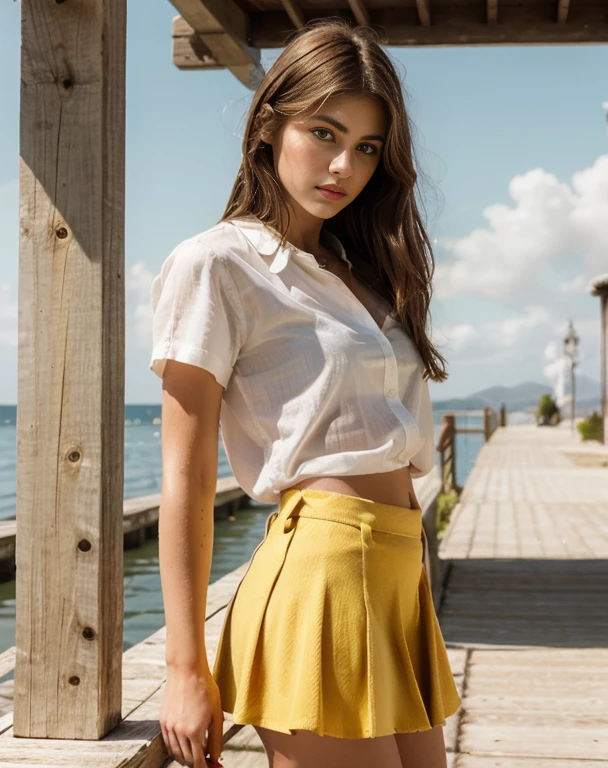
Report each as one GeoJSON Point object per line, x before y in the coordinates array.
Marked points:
{"type": "Point", "coordinates": [333, 629]}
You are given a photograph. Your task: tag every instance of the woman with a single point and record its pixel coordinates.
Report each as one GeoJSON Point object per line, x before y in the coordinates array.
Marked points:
{"type": "Point", "coordinates": [299, 323]}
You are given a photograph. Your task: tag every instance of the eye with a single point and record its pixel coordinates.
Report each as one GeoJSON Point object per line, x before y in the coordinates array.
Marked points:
{"type": "Point", "coordinates": [320, 129]}
{"type": "Point", "coordinates": [373, 148]}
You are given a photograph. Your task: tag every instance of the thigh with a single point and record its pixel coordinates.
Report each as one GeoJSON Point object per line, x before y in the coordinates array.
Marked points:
{"type": "Point", "coordinates": [422, 749]}
{"type": "Point", "coordinates": [306, 749]}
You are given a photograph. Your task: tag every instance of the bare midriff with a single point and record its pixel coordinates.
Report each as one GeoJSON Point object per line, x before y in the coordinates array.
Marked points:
{"type": "Point", "coordinates": [385, 487]}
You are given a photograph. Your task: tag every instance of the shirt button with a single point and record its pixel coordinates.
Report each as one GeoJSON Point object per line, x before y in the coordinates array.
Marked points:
{"type": "Point", "coordinates": [391, 393]}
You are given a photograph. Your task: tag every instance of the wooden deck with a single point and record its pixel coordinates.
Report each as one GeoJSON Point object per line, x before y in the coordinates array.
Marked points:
{"type": "Point", "coordinates": [524, 604]}
{"type": "Point", "coordinates": [140, 521]}
{"type": "Point", "coordinates": [525, 574]}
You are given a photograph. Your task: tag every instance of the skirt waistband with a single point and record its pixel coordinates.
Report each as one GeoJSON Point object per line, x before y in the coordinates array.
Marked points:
{"type": "Point", "coordinates": [349, 510]}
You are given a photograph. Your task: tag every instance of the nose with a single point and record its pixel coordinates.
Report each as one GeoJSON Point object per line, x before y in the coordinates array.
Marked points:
{"type": "Point", "coordinates": [342, 164]}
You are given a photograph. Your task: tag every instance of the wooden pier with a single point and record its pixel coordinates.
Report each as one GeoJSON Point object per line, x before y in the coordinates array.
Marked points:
{"type": "Point", "coordinates": [524, 604]}
{"type": "Point", "coordinates": [139, 521]}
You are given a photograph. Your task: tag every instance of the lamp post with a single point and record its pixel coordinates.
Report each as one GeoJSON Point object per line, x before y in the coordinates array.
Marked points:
{"type": "Point", "coordinates": [599, 287]}
{"type": "Point", "coordinates": [571, 342]}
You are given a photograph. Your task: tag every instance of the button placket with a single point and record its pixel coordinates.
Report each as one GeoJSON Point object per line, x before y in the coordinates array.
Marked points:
{"type": "Point", "coordinates": [411, 431]}
{"type": "Point", "coordinates": [391, 381]}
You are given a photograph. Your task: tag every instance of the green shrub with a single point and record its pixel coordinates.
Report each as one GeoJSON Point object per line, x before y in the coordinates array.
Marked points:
{"type": "Point", "coordinates": [547, 406]}
{"type": "Point", "coordinates": [445, 504]}
{"type": "Point", "coordinates": [592, 428]}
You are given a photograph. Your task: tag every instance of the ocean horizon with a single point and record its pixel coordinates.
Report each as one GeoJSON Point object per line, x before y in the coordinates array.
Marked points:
{"type": "Point", "coordinates": [143, 459]}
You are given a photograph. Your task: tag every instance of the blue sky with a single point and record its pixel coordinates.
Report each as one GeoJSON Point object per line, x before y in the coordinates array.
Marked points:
{"type": "Point", "coordinates": [514, 148]}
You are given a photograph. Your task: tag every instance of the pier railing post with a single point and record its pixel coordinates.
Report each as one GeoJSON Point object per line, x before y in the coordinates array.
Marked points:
{"type": "Point", "coordinates": [446, 446]}
{"type": "Point", "coordinates": [70, 412]}
{"type": "Point", "coordinates": [503, 415]}
{"type": "Point", "coordinates": [488, 413]}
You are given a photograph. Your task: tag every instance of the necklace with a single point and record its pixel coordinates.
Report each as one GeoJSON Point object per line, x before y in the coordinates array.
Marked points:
{"type": "Point", "coordinates": [323, 261]}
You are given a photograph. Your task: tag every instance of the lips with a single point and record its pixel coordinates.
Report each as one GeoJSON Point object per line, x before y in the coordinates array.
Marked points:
{"type": "Point", "coordinates": [330, 194]}
{"type": "Point", "coordinates": [333, 188]}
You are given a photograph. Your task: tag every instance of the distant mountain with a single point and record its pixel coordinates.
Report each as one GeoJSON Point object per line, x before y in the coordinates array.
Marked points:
{"type": "Point", "coordinates": [520, 397]}
{"type": "Point", "coordinates": [523, 397]}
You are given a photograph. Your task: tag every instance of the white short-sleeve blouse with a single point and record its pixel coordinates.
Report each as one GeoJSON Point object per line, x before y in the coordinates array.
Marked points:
{"type": "Point", "coordinates": [312, 385]}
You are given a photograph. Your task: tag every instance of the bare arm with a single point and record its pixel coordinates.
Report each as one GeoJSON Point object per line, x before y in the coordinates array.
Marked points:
{"type": "Point", "coordinates": [190, 431]}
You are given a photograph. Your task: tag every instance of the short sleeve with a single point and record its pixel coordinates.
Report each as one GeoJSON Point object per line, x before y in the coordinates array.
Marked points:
{"type": "Point", "coordinates": [197, 317]}
{"type": "Point", "coordinates": [424, 460]}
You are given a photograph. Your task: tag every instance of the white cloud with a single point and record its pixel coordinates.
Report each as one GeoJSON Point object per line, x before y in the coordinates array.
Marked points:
{"type": "Point", "coordinates": [138, 307]}
{"type": "Point", "coordinates": [550, 223]}
{"type": "Point", "coordinates": [527, 340]}
{"type": "Point", "coordinates": [500, 341]}
{"type": "Point", "coordinates": [578, 284]}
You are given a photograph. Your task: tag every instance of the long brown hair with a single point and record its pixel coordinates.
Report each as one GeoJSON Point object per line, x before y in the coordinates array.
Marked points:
{"type": "Point", "coordinates": [381, 230]}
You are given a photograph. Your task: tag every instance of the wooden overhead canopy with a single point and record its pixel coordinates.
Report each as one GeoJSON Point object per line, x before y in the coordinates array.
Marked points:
{"type": "Point", "coordinates": [217, 34]}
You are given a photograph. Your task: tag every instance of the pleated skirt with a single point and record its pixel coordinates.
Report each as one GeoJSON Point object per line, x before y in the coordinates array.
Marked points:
{"type": "Point", "coordinates": [333, 629]}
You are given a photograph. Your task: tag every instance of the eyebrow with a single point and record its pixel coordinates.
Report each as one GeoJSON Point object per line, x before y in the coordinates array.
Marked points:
{"type": "Point", "coordinates": [343, 128]}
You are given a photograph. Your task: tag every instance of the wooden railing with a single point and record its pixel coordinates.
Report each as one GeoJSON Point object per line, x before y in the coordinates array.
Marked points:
{"type": "Point", "coordinates": [446, 443]}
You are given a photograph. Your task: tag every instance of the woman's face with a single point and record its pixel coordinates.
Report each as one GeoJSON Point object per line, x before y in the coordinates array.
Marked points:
{"type": "Point", "coordinates": [341, 144]}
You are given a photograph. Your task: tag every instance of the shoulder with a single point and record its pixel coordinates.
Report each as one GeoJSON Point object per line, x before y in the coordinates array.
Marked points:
{"type": "Point", "coordinates": [224, 244]}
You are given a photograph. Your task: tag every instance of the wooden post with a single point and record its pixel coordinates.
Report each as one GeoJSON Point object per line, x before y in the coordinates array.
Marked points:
{"type": "Point", "coordinates": [70, 414]}
{"type": "Point", "coordinates": [604, 362]}
{"type": "Point", "coordinates": [503, 415]}
{"type": "Point", "coordinates": [604, 359]}
{"type": "Point", "coordinates": [486, 423]}
{"type": "Point", "coordinates": [599, 287]}
{"type": "Point", "coordinates": [449, 456]}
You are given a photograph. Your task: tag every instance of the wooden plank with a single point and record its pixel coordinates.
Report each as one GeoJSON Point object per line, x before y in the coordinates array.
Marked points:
{"type": "Point", "coordinates": [465, 24]}
{"type": "Point", "coordinates": [223, 28]}
{"type": "Point", "coordinates": [294, 12]}
{"type": "Point", "coordinates": [475, 761]}
{"type": "Point", "coordinates": [189, 49]}
{"type": "Point", "coordinates": [492, 11]}
{"type": "Point", "coordinates": [563, 7]}
{"type": "Point", "coordinates": [526, 735]}
{"type": "Point", "coordinates": [359, 11]}
{"type": "Point", "coordinates": [70, 415]}
{"type": "Point", "coordinates": [424, 12]}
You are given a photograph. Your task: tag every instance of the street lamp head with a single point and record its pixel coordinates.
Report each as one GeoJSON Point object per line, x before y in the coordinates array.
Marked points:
{"type": "Point", "coordinates": [571, 342]}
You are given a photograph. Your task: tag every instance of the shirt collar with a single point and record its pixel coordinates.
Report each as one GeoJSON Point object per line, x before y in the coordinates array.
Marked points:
{"type": "Point", "coordinates": [266, 240]}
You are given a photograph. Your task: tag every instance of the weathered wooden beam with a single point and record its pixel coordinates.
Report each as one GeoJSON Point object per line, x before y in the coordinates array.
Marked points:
{"type": "Point", "coordinates": [563, 7]}
{"type": "Point", "coordinates": [492, 11]}
{"type": "Point", "coordinates": [70, 414]}
{"type": "Point", "coordinates": [359, 11]}
{"type": "Point", "coordinates": [224, 29]}
{"type": "Point", "coordinates": [295, 13]}
{"type": "Point", "coordinates": [424, 12]}
{"type": "Point", "coordinates": [189, 49]}
{"type": "Point", "coordinates": [453, 25]}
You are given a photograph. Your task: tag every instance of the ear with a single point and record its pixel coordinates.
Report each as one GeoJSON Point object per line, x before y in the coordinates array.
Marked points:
{"type": "Point", "coordinates": [264, 116]}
